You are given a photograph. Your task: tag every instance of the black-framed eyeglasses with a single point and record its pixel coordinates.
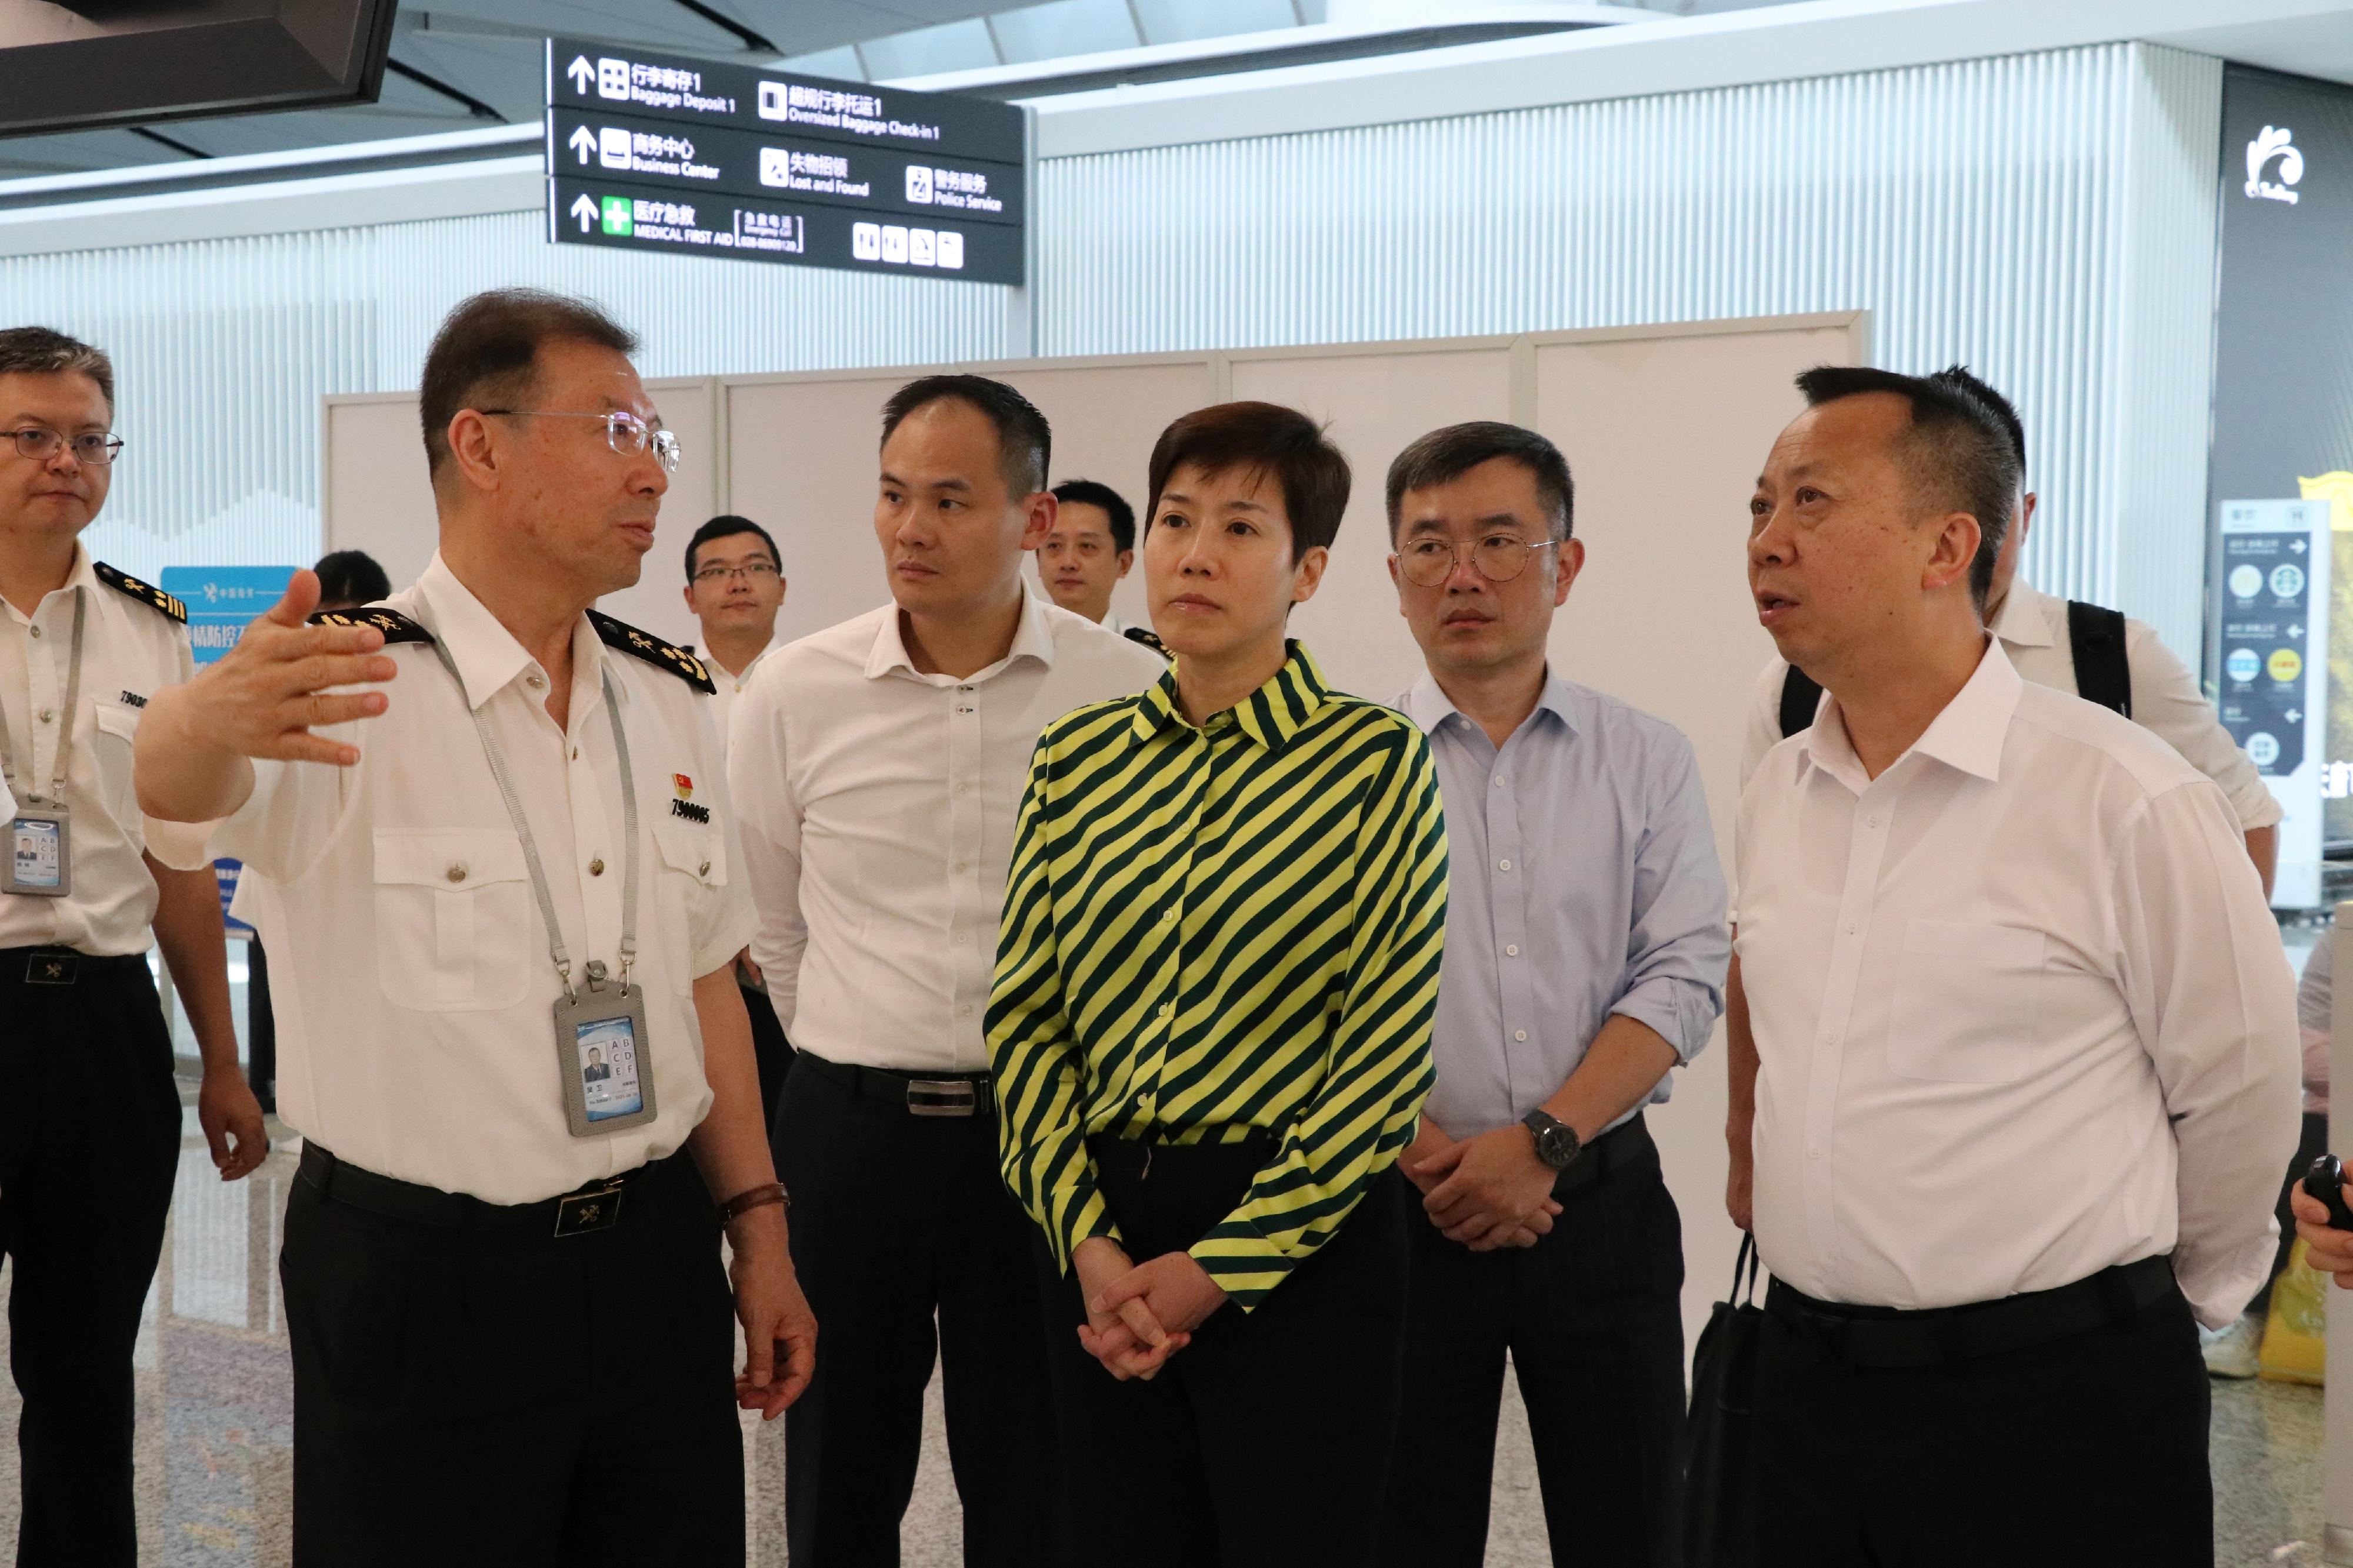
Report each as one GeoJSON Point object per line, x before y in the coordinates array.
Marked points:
{"type": "Point", "coordinates": [625, 433]}
{"type": "Point", "coordinates": [1428, 562]}
{"type": "Point", "coordinates": [757, 571]}
{"type": "Point", "coordinates": [41, 445]}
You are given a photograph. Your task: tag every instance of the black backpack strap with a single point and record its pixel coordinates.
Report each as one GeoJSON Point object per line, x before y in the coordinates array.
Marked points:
{"type": "Point", "coordinates": [2103, 673]}
{"type": "Point", "coordinates": [1800, 698]}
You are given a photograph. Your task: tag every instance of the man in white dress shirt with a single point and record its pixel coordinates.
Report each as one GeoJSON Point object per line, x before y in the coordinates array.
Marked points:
{"type": "Point", "coordinates": [880, 767]}
{"type": "Point", "coordinates": [2012, 1043]}
{"type": "Point", "coordinates": [735, 584]}
{"type": "Point", "coordinates": [519, 851]}
{"type": "Point", "coordinates": [89, 1128]}
{"type": "Point", "coordinates": [2158, 691]}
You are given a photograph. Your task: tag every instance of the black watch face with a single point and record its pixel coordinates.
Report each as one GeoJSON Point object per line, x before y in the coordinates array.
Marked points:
{"type": "Point", "coordinates": [1559, 1146]}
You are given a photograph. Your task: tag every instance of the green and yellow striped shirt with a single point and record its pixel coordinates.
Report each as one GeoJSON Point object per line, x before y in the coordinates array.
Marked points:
{"type": "Point", "coordinates": [1215, 930]}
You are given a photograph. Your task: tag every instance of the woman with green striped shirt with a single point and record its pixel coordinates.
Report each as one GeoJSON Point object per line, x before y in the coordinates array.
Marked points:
{"type": "Point", "coordinates": [1210, 1034]}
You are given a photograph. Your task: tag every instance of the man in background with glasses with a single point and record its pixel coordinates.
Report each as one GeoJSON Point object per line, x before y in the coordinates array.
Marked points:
{"type": "Point", "coordinates": [84, 1049]}
{"type": "Point", "coordinates": [1585, 960]}
{"type": "Point", "coordinates": [508, 1314]}
{"type": "Point", "coordinates": [734, 585]}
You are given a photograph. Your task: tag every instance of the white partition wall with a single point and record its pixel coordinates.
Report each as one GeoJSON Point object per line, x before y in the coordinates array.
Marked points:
{"type": "Point", "coordinates": [1664, 428]}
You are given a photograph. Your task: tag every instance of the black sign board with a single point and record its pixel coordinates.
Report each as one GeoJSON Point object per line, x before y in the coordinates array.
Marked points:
{"type": "Point", "coordinates": [661, 152]}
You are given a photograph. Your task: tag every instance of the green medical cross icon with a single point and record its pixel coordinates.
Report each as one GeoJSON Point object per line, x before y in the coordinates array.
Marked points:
{"type": "Point", "coordinates": [617, 216]}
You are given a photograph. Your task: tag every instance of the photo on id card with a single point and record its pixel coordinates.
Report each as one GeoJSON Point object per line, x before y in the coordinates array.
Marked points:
{"type": "Point", "coordinates": [608, 1051]}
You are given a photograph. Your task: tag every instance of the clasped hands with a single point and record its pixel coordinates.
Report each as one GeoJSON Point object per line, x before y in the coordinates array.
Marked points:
{"type": "Point", "coordinates": [1139, 1315]}
{"type": "Point", "coordinates": [1487, 1192]}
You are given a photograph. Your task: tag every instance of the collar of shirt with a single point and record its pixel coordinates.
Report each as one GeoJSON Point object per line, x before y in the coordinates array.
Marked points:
{"type": "Point", "coordinates": [1033, 639]}
{"type": "Point", "coordinates": [488, 657]}
{"type": "Point", "coordinates": [82, 576]}
{"type": "Point", "coordinates": [2024, 620]}
{"type": "Point", "coordinates": [1428, 705]}
{"type": "Point", "coordinates": [1269, 716]}
{"type": "Point", "coordinates": [1967, 734]}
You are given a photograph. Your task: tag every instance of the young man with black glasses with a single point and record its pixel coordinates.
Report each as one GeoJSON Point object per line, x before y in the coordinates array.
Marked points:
{"type": "Point", "coordinates": [735, 584]}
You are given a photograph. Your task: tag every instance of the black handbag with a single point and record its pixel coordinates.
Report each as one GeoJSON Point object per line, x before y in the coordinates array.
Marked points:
{"type": "Point", "coordinates": [1719, 1487]}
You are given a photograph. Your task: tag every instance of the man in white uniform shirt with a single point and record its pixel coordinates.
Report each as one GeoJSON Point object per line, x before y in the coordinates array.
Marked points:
{"type": "Point", "coordinates": [879, 766]}
{"type": "Point", "coordinates": [89, 1127]}
{"type": "Point", "coordinates": [518, 852]}
{"type": "Point", "coordinates": [2012, 1042]}
{"type": "Point", "coordinates": [2159, 692]}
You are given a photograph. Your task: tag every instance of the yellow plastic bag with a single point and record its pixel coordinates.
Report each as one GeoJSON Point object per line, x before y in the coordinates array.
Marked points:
{"type": "Point", "coordinates": [2295, 1339]}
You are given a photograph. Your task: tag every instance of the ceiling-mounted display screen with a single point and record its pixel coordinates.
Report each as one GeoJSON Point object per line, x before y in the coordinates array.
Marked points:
{"type": "Point", "coordinates": [86, 64]}
{"type": "Point", "coordinates": [665, 154]}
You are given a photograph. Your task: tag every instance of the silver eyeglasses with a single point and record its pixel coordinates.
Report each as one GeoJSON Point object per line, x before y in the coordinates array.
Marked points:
{"type": "Point", "coordinates": [625, 433]}
{"type": "Point", "coordinates": [757, 571]}
{"type": "Point", "coordinates": [1428, 561]}
{"type": "Point", "coordinates": [41, 445]}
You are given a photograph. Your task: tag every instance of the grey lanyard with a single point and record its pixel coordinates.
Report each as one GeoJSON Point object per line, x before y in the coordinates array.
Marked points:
{"type": "Point", "coordinates": [497, 759]}
{"type": "Point", "coordinates": [65, 733]}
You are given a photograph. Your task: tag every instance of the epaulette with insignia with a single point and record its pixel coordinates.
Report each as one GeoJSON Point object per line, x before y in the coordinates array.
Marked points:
{"type": "Point", "coordinates": [654, 650]}
{"type": "Point", "coordinates": [1137, 634]}
{"type": "Point", "coordinates": [395, 627]}
{"type": "Point", "coordinates": [147, 594]}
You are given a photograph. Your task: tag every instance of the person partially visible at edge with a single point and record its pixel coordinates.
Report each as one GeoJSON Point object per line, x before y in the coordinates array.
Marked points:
{"type": "Point", "coordinates": [1210, 1035]}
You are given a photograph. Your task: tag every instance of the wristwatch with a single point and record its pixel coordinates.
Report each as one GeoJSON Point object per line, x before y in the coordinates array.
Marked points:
{"type": "Point", "coordinates": [1558, 1145]}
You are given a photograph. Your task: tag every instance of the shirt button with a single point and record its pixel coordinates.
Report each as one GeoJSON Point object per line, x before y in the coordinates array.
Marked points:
{"type": "Point", "coordinates": [534, 681]}
{"type": "Point", "coordinates": [1849, 928]}
{"type": "Point", "coordinates": [36, 631]}
{"type": "Point", "coordinates": [596, 868]}
{"type": "Point", "coordinates": [1521, 1034]}
{"type": "Point", "coordinates": [1870, 822]}
{"type": "Point", "coordinates": [48, 715]}
{"type": "Point", "coordinates": [1167, 1009]}
{"type": "Point", "coordinates": [457, 873]}
{"type": "Point", "coordinates": [1813, 1151]}
{"type": "Point", "coordinates": [1510, 952]}
{"type": "Point", "coordinates": [1168, 914]}
{"type": "Point", "coordinates": [1503, 865]}
{"type": "Point", "coordinates": [704, 869]}
{"type": "Point", "coordinates": [964, 1012]}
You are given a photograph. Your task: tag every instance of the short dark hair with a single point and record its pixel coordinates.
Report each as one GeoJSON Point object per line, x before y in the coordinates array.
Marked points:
{"type": "Point", "coordinates": [1271, 441]}
{"type": "Point", "coordinates": [1026, 442]}
{"type": "Point", "coordinates": [488, 351]}
{"type": "Point", "coordinates": [1091, 492]}
{"type": "Point", "coordinates": [1956, 456]}
{"type": "Point", "coordinates": [351, 577]}
{"type": "Point", "coordinates": [41, 351]}
{"type": "Point", "coordinates": [1962, 378]}
{"type": "Point", "coordinates": [1450, 453]}
{"type": "Point", "coordinates": [727, 525]}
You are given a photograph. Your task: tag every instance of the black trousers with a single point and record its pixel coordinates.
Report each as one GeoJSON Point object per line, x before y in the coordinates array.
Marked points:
{"type": "Point", "coordinates": [2088, 1450]}
{"type": "Point", "coordinates": [772, 1053]}
{"type": "Point", "coordinates": [1263, 1444]}
{"type": "Point", "coordinates": [1592, 1318]}
{"type": "Point", "coordinates": [89, 1138]}
{"type": "Point", "coordinates": [478, 1396]}
{"type": "Point", "coordinates": [909, 1246]}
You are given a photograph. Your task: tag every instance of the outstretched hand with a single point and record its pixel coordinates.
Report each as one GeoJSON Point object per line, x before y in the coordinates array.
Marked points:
{"type": "Point", "coordinates": [266, 695]}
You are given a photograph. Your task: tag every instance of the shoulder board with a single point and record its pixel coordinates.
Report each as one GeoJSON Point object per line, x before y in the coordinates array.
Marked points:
{"type": "Point", "coordinates": [654, 650]}
{"type": "Point", "coordinates": [395, 627]}
{"type": "Point", "coordinates": [1138, 635]}
{"type": "Point", "coordinates": [147, 594]}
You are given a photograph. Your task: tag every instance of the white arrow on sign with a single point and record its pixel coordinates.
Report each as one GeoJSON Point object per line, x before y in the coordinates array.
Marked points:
{"type": "Point", "coordinates": [585, 211]}
{"type": "Point", "coordinates": [582, 143]}
{"type": "Point", "coordinates": [581, 72]}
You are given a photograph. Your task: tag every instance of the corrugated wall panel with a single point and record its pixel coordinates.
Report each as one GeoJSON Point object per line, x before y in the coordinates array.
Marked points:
{"type": "Point", "coordinates": [2037, 216]}
{"type": "Point", "coordinates": [223, 349]}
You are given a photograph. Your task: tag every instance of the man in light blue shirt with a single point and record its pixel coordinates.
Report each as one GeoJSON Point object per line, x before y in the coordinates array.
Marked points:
{"type": "Point", "coordinates": [1585, 961]}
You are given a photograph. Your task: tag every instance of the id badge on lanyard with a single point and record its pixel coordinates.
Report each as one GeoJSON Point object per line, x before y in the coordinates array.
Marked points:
{"type": "Point", "coordinates": [39, 862]}
{"type": "Point", "coordinates": [604, 1053]}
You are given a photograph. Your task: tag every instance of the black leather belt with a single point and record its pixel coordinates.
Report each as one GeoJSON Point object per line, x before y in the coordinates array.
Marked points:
{"type": "Point", "coordinates": [595, 1207]}
{"type": "Point", "coordinates": [1887, 1338]}
{"type": "Point", "coordinates": [1621, 1149]}
{"type": "Point", "coordinates": [63, 965]}
{"type": "Point", "coordinates": [956, 1094]}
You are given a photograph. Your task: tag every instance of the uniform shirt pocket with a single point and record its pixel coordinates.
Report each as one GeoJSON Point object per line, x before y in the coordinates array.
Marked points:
{"type": "Point", "coordinates": [455, 920]}
{"type": "Point", "coordinates": [1967, 998]}
{"type": "Point", "coordinates": [688, 891]}
{"type": "Point", "coordinates": [111, 743]}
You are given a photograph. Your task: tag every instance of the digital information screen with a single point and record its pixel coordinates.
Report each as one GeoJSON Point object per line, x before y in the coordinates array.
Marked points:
{"type": "Point", "coordinates": [660, 152]}
{"type": "Point", "coordinates": [2271, 628]}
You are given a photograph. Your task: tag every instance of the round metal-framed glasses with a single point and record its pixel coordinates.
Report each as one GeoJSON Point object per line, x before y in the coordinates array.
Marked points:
{"type": "Point", "coordinates": [39, 444]}
{"type": "Point", "coordinates": [625, 433]}
{"type": "Point", "coordinates": [1428, 561]}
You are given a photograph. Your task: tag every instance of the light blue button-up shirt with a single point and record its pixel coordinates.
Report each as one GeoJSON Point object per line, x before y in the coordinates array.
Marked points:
{"type": "Point", "coordinates": [1582, 881]}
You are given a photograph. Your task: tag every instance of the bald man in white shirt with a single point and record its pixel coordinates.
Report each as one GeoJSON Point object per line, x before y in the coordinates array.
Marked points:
{"type": "Point", "coordinates": [2012, 1043]}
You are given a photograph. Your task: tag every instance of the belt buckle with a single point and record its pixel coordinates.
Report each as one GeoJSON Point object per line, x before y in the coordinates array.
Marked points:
{"type": "Point", "coordinates": [942, 1097]}
{"type": "Point", "coordinates": [579, 1213]}
{"type": "Point", "coordinates": [52, 968]}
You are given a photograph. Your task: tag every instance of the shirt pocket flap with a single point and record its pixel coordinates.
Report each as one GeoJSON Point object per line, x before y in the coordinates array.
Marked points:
{"type": "Point", "coordinates": [692, 848]}
{"type": "Point", "coordinates": [454, 860]}
{"type": "Point", "coordinates": [118, 718]}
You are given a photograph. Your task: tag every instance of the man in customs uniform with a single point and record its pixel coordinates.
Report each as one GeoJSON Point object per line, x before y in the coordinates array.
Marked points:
{"type": "Point", "coordinates": [525, 850]}
{"type": "Point", "coordinates": [84, 1048]}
